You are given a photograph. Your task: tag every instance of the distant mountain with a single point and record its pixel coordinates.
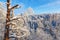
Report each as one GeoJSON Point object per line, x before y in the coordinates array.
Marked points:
{"type": "Point", "coordinates": [32, 27]}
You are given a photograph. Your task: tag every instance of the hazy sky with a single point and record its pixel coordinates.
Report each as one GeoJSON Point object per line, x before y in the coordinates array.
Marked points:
{"type": "Point", "coordinates": [39, 6]}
